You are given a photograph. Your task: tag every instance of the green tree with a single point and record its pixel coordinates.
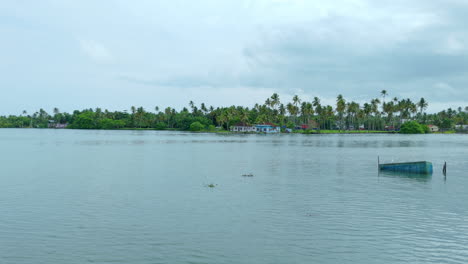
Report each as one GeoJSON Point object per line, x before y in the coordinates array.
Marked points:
{"type": "Point", "coordinates": [412, 127]}
{"type": "Point", "coordinates": [196, 126]}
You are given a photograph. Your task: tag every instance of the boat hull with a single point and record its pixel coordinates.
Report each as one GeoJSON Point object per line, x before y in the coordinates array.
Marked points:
{"type": "Point", "coordinates": [420, 167]}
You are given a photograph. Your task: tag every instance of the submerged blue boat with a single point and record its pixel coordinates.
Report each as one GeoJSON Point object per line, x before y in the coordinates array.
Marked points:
{"type": "Point", "coordinates": [420, 167]}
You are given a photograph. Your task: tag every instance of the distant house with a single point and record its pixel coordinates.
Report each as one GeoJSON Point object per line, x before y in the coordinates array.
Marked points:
{"type": "Point", "coordinates": [243, 127]}
{"type": "Point", "coordinates": [267, 128]}
{"type": "Point", "coordinates": [433, 128]}
{"type": "Point", "coordinates": [312, 124]}
{"type": "Point", "coordinates": [53, 124]}
{"type": "Point", "coordinates": [461, 127]}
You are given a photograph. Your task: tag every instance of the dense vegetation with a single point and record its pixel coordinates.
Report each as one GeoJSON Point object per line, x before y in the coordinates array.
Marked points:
{"type": "Point", "coordinates": [378, 114]}
{"type": "Point", "coordinates": [413, 127]}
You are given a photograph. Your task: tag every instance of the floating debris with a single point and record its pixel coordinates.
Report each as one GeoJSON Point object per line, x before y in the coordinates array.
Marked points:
{"type": "Point", "coordinates": [247, 175]}
{"type": "Point", "coordinates": [211, 185]}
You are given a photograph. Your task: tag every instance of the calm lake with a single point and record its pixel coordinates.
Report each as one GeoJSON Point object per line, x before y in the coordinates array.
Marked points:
{"type": "Point", "coordinates": [75, 196]}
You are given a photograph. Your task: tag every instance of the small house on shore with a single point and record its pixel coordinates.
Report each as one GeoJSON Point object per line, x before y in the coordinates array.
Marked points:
{"type": "Point", "coordinates": [243, 127]}
{"type": "Point", "coordinates": [53, 124]}
{"type": "Point", "coordinates": [433, 128]}
{"type": "Point", "coordinates": [267, 128]}
{"type": "Point", "coordinates": [311, 125]}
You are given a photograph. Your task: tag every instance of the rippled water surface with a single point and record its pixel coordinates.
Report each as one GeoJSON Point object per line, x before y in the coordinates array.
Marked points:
{"type": "Point", "coordinates": [74, 196]}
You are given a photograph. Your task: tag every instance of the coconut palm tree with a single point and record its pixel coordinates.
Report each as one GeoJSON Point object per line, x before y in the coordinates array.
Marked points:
{"type": "Point", "coordinates": [203, 108]}
{"type": "Point", "coordinates": [352, 110]}
{"type": "Point", "coordinates": [293, 110]}
{"type": "Point", "coordinates": [275, 100]}
{"type": "Point", "coordinates": [222, 119]}
{"type": "Point", "coordinates": [296, 100]}
{"type": "Point", "coordinates": [422, 104]}
{"type": "Point", "coordinates": [367, 109]}
{"type": "Point", "coordinates": [340, 108]}
{"type": "Point", "coordinates": [384, 94]}
{"type": "Point", "coordinates": [244, 115]}
{"type": "Point", "coordinates": [318, 110]}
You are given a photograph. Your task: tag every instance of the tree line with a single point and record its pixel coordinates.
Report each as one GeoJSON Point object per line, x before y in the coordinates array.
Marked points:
{"type": "Point", "coordinates": [381, 113]}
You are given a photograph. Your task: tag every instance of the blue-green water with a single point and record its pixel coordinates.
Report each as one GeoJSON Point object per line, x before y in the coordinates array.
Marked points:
{"type": "Point", "coordinates": [74, 196]}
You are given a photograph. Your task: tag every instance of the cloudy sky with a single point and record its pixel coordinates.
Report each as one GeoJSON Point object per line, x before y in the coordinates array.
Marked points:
{"type": "Point", "coordinates": [75, 54]}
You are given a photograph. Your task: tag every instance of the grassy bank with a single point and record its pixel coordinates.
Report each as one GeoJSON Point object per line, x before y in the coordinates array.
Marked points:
{"type": "Point", "coordinates": [305, 132]}
{"type": "Point", "coordinates": [445, 132]}
{"type": "Point", "coordinates": [343, 132]}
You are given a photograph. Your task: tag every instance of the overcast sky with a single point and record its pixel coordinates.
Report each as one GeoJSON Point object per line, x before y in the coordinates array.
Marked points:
{"type": "Point", "coordinates": [75, 54]}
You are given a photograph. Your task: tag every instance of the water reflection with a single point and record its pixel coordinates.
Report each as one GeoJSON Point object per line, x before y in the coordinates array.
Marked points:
{"type": "Point", "coordinates": [406, 176]}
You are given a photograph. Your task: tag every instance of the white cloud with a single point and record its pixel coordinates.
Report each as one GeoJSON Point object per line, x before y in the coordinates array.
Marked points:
{"type": "Point", "coordinates": [95, 50]}
{"type": "Point", "coordinates": [228, 50]}
{"type": "Point", "coordinates": [452, 46]}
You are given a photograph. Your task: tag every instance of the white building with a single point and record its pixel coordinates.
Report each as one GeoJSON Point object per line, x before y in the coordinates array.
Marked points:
{"type": "Point", "coordinates": [243, 127]}
{"type": "Point", "coordinates": [433, 128]}
{"type": "Point", "coordinates": [461, 127]}
{"type": "Point", "coordinates": [267, 128]}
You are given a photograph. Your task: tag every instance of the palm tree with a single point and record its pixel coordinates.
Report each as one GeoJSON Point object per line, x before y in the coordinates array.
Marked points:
{"type": "Point", "coordinates": [221, 119]}
{"type": "Point", "coordinates": [367, 109]}
{"type": "Point", "coordinates": [318, 110]}
{"type": "Point", "coordinates": [292, 109]}
{"type": "Point", "coordinates": [389, 108]}
{"type": "Point", "coordinates": [139, 116]}
{"type": "Point", "coordinates": [340, 108]}
{"type": "Point", "coordinates": [352, 110]}
{"type": "Point", "coordinates": [422, 104]}
{"type": "Point", "coordinates": [275, 100]}
{"type": "Point", "coordinates": [244, 116]}
{"type": "Point", "coordinates": [268, 102]}
{"type": "Point", "coordinates": [384, 94]}
{"type": "Point", "coordinates": [306, 110]}
{"type": "Point", "coordinates": [375, 110]}
{"type": "Point", "coordinates": [203, 108]}
{"type": "Point", "coordinates": [296, 100]}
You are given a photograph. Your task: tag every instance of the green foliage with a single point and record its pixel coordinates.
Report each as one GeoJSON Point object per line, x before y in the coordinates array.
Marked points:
{"type": "Point", "coordinates": [85, 120]}
{"type": "Point", "coordinates": [290, 125]}
{"type": "Point", "coordinates": [347, 116]}
{"type": "Point", "coordinates": [184, 119]}
{"type": "Point", "coordinates": [412, 127]}
{"type": "Point", "coordinates": [196, 126]}
{"type": "Point", "coordinates": [160, 126]}
{"type": "Point", "coordinates": [426, 129]}
{"type": "Point", "coordinates": [108, 123]}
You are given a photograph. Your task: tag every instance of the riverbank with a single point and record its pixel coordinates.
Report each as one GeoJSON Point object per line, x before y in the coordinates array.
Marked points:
{"type": "Point", "coordinates": [304, 132]}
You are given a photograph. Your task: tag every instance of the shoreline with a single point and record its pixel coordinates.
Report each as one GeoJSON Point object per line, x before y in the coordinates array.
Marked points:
{"type": "Point", "coordinates": [303, 132]}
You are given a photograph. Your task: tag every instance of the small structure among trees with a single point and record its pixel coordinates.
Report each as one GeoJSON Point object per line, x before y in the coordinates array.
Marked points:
{"type": "Point", "coordinates": [243, 127]}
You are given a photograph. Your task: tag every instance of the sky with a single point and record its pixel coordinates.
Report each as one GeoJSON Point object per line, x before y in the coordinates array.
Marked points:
{"type": "Point", "coordinates": [115, 54]}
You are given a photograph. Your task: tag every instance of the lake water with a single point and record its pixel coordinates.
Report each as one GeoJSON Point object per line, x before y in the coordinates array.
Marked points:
{"type": "Point", "coordinates": [75, 196]}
